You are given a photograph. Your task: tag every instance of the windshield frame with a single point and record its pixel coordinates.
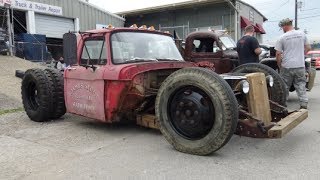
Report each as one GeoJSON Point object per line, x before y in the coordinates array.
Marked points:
{"type": "Point", "coordinates": [146, 60]}
{"type": "Point", "coordinates": [224, 45]}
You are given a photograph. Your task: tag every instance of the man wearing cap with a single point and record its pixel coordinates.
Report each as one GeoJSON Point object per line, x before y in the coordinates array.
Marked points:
{"type": "Point", "coordinates": [291, 49]}
{"type": "Point", "coordinates": [248, 47]}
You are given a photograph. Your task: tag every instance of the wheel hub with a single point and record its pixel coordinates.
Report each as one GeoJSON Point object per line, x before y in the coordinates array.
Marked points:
{"type": "Point", "coordinates": [191, 113]}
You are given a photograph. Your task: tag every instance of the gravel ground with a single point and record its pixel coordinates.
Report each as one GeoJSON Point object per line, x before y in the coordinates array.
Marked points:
{"type": "Point", "coordinates": [10, 85]}
{"type": "Point", "coordinates": [77, 148]}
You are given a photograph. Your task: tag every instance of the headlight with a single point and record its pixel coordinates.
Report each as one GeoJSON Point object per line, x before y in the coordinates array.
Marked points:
{"type": "Point", "coordinates": [245, 86]}
{"type": "Point", "coordinates": [270, 81]}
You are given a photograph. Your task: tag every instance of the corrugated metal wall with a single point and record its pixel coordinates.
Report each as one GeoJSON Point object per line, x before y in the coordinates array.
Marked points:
{"type": "Point", "coordinates": [200, 16]}
{"type": "Point", "coordinates": [88, 15]}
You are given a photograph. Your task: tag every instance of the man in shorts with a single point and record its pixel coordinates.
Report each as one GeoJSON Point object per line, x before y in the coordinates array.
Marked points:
{"type": "Point", "coordinates": [291, 49]}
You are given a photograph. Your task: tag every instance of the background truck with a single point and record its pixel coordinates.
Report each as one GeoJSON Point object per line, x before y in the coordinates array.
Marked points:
{"type": "Point", "coordinates": [217, 48]}
{"type": "Point", "coordinates": [138, 75]}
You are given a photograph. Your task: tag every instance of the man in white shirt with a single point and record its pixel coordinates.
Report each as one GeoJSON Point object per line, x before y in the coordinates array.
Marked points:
{"type": "Point", "coordinates": [61, 65]}
{"type": "Point", "coordinates": [291, 49]}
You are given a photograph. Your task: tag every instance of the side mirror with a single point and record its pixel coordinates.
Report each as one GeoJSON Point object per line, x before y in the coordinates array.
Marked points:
{"type": "Point", "coordinates": [70, 48]}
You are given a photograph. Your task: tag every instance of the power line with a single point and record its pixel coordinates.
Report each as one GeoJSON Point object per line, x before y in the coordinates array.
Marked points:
{"type": "Point", "coordinates": [298, 18]}
{"type": "Point", "coordinates": [283, 4]}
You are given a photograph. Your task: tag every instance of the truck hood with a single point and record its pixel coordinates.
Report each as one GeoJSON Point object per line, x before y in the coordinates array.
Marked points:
{"type": "Point", "coordinates": [232, 54]}
{"type": "Point", "coordinates": [129, 71]}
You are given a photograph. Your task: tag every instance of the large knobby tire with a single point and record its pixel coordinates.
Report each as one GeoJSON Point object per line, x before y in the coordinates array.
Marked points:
{"type": "Point", "coordinates": [58, 92]}
{"type": "Point", "coordinates": [277, 93]}
{"type": "Point", "coordinates": [196, 110]}
{"type": "Point", "coordinates": [271, 62]}
{"type": "Point", "coordinates": [36, 90]}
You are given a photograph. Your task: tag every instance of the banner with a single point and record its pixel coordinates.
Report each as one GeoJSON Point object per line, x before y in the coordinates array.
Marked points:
{"type": "Point", "coordinates": [2, 2]}
{"type": "Point", "coordinates": [33, 6]}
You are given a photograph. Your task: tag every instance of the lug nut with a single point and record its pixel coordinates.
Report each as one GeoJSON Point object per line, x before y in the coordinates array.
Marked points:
{"type": "Point", "coordinates": [177, 113]}
{"type": "Point", "coordinates": [190, 104]}
{"type": "Point", "coordinates": [181, 104]}
{"type": "Point", "coordinates": [196, 113]}
{"type": "Point", "coordinates": [188, 113]}
{"type": "Point", "coordinates": [183, 121]}
{"type": "Point", "coordinates": [192, 122]}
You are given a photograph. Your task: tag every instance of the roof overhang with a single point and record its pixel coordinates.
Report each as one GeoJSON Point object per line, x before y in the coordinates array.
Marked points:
{"type": "Point", "coordinates": [246, 22]}
{"type": "Point", "coordinates": [261, 29]}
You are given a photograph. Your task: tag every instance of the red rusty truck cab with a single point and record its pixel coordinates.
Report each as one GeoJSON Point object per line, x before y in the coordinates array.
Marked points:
{"type": "Point", "coordinates": [111, 77]}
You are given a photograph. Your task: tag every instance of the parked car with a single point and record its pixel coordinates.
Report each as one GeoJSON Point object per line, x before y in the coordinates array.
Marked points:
{"type": "Point", "coordinates": [315, 58]}
{"type": "Point", "coordinates": [265, 51]}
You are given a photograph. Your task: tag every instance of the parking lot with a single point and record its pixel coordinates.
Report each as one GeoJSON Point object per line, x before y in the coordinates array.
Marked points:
{"type": "Point", "coordinates": [77, 148]}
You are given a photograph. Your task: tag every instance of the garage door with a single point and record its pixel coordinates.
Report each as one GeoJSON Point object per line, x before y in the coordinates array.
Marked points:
{"type": "Point", "coordinates": [53, 26]}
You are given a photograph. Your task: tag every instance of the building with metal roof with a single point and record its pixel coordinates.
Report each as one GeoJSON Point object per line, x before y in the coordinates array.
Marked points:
{"type": "Point", "coordinates": [52, 18]}
{"type": "Point", "coordinates": [199, 15]}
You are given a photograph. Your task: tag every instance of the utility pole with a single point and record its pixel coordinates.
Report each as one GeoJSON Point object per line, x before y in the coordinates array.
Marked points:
{"type": "Point", "coordinates": [296, 16]}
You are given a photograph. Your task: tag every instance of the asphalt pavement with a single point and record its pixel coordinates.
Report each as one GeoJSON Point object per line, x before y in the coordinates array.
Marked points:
{"type": "Point", "coordinates": [77, 148]}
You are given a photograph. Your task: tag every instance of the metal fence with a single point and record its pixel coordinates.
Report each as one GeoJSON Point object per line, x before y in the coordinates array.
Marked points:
{"type": "Point", "coordinates": [37, 52]}
{"type": "Point", "coordinates": [4, 37]}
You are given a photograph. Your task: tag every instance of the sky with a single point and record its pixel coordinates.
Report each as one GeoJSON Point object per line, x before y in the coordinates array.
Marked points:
{"type": "Point", "coordinates": [274, 10]}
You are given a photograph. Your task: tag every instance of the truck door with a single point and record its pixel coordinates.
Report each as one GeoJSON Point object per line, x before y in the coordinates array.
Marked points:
{"type": "Point", "coordinates": [84, 83]}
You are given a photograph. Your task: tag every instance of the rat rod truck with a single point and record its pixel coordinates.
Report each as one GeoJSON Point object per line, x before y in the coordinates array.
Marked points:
{"type": "Point", "coordinates": [137, 74]}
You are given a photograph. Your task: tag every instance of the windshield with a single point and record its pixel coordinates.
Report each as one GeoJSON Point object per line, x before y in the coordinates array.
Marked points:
{"type": "Point", "coordinates": [128, 47]}
{"type": "Point", "coordinates": [227, 42]}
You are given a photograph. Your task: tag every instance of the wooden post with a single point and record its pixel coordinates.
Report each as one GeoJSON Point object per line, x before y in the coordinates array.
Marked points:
{"type": "Point", "coordinates": [288, 123]}
{"type": "Point", "coordinates": [258, 99]}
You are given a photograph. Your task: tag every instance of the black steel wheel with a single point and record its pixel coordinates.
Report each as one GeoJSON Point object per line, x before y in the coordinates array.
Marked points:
{"type": "Point", "coordinates": [196, 110]}
{"type": "Point", "coordinates": [193, 112]}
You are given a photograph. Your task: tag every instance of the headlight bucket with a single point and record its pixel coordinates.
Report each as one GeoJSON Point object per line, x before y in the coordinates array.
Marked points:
{"type": "Point", "coordinates": [270, 81]}
{"type": "Point", "coordinates": [245, 86]}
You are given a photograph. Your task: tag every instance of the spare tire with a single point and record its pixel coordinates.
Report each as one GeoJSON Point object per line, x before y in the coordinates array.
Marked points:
{"type": "Point", "coordinates": [196, 110]}
{"type": "Point", "coordinates": [36, 90]}
{"type": "Point", "coordinates": [277, 93]}
{"type": "Point", "coordinates": [58, 92]}
{"type": "Point", "coordinates": [19, 74]}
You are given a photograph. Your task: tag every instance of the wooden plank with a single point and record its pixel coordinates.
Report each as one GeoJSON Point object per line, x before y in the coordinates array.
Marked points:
{"type": "Point", "coordinates": [288, 123]}
{"type": "Point", "coordinates": [257, 99]}
{"type": "Point", "coordinates": [147, 120]}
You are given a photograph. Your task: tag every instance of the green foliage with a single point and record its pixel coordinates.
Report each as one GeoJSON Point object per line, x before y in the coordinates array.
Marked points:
{"type": "Point", "coordinates": [7, 111]}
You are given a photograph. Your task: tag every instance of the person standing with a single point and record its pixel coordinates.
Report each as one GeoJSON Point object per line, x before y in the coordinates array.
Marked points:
{"type": "Point", "coordinates": [291, 49]}
{"type": "Point", "coordinates": [61, 65]}
{"type": "Point", "coordinates": [248, 47]}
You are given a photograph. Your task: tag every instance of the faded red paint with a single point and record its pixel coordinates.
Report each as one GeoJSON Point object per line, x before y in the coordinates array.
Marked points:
{"type": "Point", "coordinates": [84, 92]}
{"type": "Point", "coordinates": [223, 61]}
{"type": "Point", "coordinates": [111, 91]}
